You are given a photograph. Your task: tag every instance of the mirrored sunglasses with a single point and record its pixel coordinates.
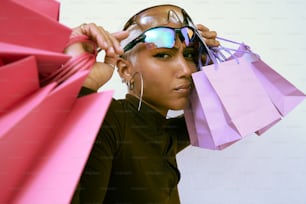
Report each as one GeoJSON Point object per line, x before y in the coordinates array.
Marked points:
{"type": "Point", "coordinates": [163, 37]}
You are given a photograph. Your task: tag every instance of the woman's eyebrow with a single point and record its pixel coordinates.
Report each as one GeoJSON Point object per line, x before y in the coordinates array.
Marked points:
{"type": "Point", "coordinates": [191, 48]}
{"type": "Point", "coordinates": [173, 49]}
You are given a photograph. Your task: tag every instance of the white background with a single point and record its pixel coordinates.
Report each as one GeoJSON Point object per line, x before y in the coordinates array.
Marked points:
{"type": "Point", "coordinates": [270, 169]}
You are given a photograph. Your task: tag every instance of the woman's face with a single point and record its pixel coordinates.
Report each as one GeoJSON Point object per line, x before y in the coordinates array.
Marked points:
{"type": "Point", "coordinates": [166, 75]}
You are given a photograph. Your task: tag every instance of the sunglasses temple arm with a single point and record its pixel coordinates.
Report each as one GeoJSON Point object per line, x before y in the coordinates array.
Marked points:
{"type": "Point", "coordinates": [131, 44]}
{"type": "Point", "coordinates": [209, 51]}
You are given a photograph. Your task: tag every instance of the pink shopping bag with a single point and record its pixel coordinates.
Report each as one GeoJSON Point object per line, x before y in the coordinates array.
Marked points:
{"type": "Point", "coordinates": [24, 72]}
{"type": "Point", "coordinates": [27, 128]}
{"type": "Point", "coordinates": [47, 61]}
{"type": "Point", "coordinates": [49, 8]}
{"type": "Point", "coordinates": [67, 153]}
{"type": "Point", "coordinates": [27, 27]}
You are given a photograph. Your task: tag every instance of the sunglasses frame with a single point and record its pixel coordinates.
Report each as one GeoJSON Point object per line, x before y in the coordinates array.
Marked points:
{"type": "Point", "coordinates": [142, 37]}
{"type": "Point", "coordinates": [186, 21]}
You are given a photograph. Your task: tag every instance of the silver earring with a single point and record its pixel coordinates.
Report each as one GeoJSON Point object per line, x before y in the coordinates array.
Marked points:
{"type": "Point", "coordinates": [141, 88]}
{"type": "Point", "coordinates": [130, 85]}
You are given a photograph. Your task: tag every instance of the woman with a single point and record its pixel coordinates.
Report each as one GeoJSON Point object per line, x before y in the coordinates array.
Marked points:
{"type": "Point", "coordinates": [133, 158]}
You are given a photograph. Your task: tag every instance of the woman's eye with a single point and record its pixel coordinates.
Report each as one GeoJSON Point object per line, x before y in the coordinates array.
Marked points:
{"type": "Point", "coordinates": [162, 55]}
{"type": "Point", "coordinates": [189, 55]}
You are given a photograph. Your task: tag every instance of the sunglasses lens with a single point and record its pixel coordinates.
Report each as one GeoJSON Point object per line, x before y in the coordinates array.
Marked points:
{"type": "Point", "coordinates": [165, 37]}
{"type": "Point", "coordinates": [188, 34]}
{"type": "Point", "coordinates": [161, 37]}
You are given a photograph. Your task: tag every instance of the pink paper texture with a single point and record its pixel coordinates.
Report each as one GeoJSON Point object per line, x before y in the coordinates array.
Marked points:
{"type": "Point", "coordinates": [54, 179]}
{"type": "Point", "coordinates": [49, 8]}
{"type": "Point", "coordinates": [47, 61]}
{"type": "Point", "coordinates": [29, 128]}
{"type": "Point", "coordinates": [25, 73]}
{"type": "Point", "coordinates": [34, 29]}
{"type": "Point", "coordinates": [46, 132]}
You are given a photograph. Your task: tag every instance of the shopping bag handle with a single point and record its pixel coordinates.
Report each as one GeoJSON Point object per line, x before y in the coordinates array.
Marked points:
{"type": "Point", "coordinates": [246, 50]}
{"type": "Point", "coordinates": [218, 56]}
{"type": "Point", "coordinates": [84, 61]}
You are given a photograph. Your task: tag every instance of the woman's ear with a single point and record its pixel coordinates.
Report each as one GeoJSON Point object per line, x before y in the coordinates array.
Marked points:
{"type": "Point", "coordinates": [124, 69]}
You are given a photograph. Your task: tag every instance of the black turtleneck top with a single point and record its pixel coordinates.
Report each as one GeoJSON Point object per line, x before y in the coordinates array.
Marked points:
{"type": "Point", "coordinates": [133, 157]}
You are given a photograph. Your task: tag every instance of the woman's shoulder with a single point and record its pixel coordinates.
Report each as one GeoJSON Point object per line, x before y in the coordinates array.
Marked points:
{"type": "Point", "coordinates": [113, 127]}
{"type": "Point", "coordinates": [116, 112]}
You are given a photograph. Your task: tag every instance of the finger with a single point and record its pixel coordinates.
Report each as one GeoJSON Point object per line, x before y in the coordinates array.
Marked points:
{"type": "Point", "coordinates": [109, 41]}
{"type": "Point", "coordinates": [209, 34]}
{"type": "Point", "coordinates": [104, 39]}
{"type": "Point", "coordinates": [99, 35]}
{"type": "Point", "coordinates": [77, 30]}
{"type": "Point", "coordinates": [212, 42]}
{"type": "Point", "coordinates": [114, 49]}
{"type": "Point", "coordinates": [115, 38]}
{"type": "Point", "coordinates": [119, 36]}
{"type": "Point", "coordinates": [202, 27]}
{"type": "Point", "coordinates": [112, 41]}
{"type": "Point", "coordinates": [95, 33]}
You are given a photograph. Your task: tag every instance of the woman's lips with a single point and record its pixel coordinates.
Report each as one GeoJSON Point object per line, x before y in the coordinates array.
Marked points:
{"type": "Point", "coordinates": [183, 89]}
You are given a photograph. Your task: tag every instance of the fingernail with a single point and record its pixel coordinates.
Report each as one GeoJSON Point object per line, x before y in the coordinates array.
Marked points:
{"type": "Point", "coordinates": [120, 50]}
{"type": "Point", "coordinates": [111, 50]}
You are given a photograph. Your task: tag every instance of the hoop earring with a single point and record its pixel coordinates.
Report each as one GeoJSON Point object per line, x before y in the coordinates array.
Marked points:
{"type": "Point", "coordinates": [132, 86]}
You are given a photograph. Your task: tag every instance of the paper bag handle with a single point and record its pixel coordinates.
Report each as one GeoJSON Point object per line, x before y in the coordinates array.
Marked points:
{"type": "Point", "coordinates": [84, 61]}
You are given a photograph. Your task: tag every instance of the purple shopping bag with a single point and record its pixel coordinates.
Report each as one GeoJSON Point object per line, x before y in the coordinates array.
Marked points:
{"type": "Point", "coordinates": [243, 97]}
{"type": "Point", "coordinates": [228, 103]}
{"type": "Point", "coordinates": [206, 119]}
{"type": "Point", "coordinates": [283, 94]}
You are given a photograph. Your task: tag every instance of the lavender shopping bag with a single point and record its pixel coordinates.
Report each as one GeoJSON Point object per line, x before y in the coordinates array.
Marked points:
{"type": "Point", "coordinates": [283, 94]}
{"type": "Point", "coordinates": [228, 103]}
{"type": "Point", "coordinates": [205, 118]}
{"type": "Point", "coordinates": [242, 95]}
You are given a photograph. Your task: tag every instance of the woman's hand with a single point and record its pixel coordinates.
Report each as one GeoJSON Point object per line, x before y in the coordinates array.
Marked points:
{"type": "Point", "coordinates": [101, 72]}
{"type": "Point", "coordinates": [210, 36]}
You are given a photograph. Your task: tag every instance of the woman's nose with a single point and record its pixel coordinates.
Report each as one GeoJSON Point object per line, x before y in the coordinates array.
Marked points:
{"type": "Point", "coordinates": [185, 68]}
